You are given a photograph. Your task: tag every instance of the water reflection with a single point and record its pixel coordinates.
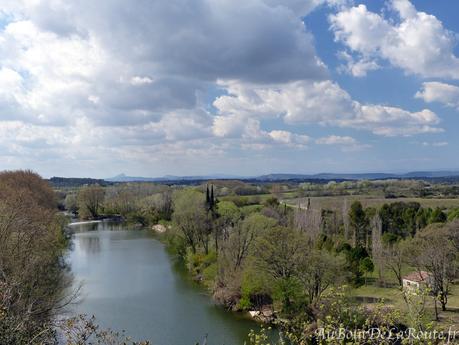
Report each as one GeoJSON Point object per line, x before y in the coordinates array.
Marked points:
{"type": "Point", "coordinates": [89, 244]}
{"type": "Point", "coordinates": [131, 283]}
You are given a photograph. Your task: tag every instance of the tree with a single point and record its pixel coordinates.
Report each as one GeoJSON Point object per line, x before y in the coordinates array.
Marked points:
{"type": "Point", "coordinates": [279, 252]}
{"type": "Point", "coordinates": [33, 278]}
{"type": "Point", "coordinates": [318, 271]}
{"type": "Point", "coordinates": [452, 231]}
{"type": "Point", "coordinates": [402, 219]}
{"type": "Point", "coordinates": [394, 255]}
{"type": "Point", "coordinates": [377, 247]}
{"type": "Point", "coordinates": [71, 203]}
{"type": "Point", "coordinates": [433, 251]}
{"type": "Point", "coordinates": [359, 223]}
{"type": "Point", "coordinates": [242, 237]}
{"type": "Point", "coordinates": [366, 266]}
{"type": "Point", "coordinates": [190, 217]}
{"type": "Point", "coordinates": [90, 199]}
{"type": "Point", "coordinates": [354, 257]}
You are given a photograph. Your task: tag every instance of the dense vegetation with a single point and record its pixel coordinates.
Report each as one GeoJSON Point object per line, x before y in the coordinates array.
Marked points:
{"type": "Point", "coordinates": [269, 249]}
{"type": "Point", "coordinates": [32, 275]}
{"type": "Point", "coordinates": [35, 285]}
{"type": "Point", "coordinates": [281, 251]}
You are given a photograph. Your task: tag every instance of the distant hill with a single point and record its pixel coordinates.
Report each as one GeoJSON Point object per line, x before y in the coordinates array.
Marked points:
{"type": "Point", "coordinates": [438, 176]}
{"type": "Point", "coordinates": [360, 176]}
{"type": "Point", "coordinates": [325, 176]}
{"type": "Point", "coordinates": [166, 178]}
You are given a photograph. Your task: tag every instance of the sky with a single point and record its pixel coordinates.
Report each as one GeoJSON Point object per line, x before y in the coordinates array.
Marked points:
{"type": "Point", "coordinates": [242, 87]}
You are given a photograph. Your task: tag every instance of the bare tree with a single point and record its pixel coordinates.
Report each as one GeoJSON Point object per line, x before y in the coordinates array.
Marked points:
{"type": "Point", "coordinates": [394, 258]}
{"type": "Point", "coordinates": [377, 246]}
{"type": "Point", "coordinates": [346, 222]}
{"type": "Point", "coordinates": [431, 250]}
{"type": "Point", "coordinates": [33, 281]}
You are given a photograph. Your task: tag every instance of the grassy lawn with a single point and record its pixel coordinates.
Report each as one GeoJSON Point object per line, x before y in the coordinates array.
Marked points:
{"type": "Point", "coordinates": [372, 294]}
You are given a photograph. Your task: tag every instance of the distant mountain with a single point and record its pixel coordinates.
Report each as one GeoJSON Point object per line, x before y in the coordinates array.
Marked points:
{"type": "Point", "coordinates": [286, 177]}
{"type": "Point", "coordinates": [325, 176]}
{"type": "Point", "coordinates": [125, 178]}
{"type": "Point", "coordinates": [320, 178]}
{"type": "Point", "coordinates": [431, 174]}
{"type": "Point", "coordinates": [358, 176]}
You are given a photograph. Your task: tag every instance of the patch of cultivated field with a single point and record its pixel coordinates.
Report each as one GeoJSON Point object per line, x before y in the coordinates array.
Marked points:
{"type": "Point", "coordinates": [336, 202]}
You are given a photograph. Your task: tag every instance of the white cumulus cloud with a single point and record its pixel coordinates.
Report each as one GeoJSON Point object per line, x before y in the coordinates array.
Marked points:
{"type": "Point", "coordinates": [434, 91]}
{"type": "Point", "coordinates": [324, 103]}
{"type": "Point", "coordinates": [418, 42]}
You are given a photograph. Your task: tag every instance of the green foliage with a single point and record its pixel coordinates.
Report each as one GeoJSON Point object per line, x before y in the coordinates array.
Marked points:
{"type": "Point", "coordinates": [271, 202]}
{"type": "Point", "coordinates": [198, 262]}
{"type": "Point", "coordinates": [354, 258]}
{"type": "Point", "coordinates": [438, 216]}
{"type": "Point", "coordinates": [259, 338]}
{"type": "Point", "coordinates": [359, 223]}
{"type": "Point", "coordinates": [401, 219]}
{"type": "Point", "coordinates": [176, 244]}
{"type": "Point", "coordinates": [209, 274]}
{"type": "Point", "coordinates": [453, 214]}
{"type": "Point", "coordinates": [366, 265]}
{"type": "Point", "coordinates": [279, 252]}
{"type": "Point", "coordinates": [228, 212]}
{"type": "Point", "coordinates": [90, 200]}
{"type": "Point", "coordinates": [389, 238]}
{"type": "Point", "coordinates": [256, 287]}
{"type": "Point", "coordinates": [191, 218]}
{"type": "Point", "coordinates": [288, 294]}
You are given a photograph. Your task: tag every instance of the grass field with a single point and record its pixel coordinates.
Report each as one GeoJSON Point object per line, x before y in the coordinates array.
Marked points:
{"type": "Point", "coordinates": [371, 294]}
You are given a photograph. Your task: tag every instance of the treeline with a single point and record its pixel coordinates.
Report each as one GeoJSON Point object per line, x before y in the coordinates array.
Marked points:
{"type": "Point", "coordinates": [294, 262]}
{"type": "Point", "coordinates": [143, 203]}
{"type": "Point", "coordinates": [388, 189]}
{"type": "Point", "coordinates": [67, 182]}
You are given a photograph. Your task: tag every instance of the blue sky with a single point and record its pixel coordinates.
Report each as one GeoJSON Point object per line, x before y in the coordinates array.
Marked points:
{"type": "Point", "coordinates": [238, 87]}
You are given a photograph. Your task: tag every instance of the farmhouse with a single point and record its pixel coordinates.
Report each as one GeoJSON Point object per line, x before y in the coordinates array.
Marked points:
{"type": "Point", "coordinates": [416, 280]}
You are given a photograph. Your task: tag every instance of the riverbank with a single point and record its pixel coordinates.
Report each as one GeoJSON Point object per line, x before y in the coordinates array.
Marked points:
{"type": "Point", "coordinates": [201, 268]}
{"type": "Point", "coordinates": [131, 282]}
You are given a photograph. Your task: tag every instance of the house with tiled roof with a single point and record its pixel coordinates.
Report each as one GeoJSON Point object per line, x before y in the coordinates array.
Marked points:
{"type": "Point", "coordinates": [416, 280]}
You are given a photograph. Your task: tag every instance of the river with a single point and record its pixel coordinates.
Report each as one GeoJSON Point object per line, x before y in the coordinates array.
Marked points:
{"type": "Point", "coordinates": [131, 283]}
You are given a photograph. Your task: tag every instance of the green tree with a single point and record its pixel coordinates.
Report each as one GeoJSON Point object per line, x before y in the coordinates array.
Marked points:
{"type": "Point", "coordinates": [243, 235]}
{"type": "Point", "coordinates": [90, 199]}
{"type": "Point", "coordinates": [279, 252]}
{"type": "Point", "coordinates": [359, 223]}
{"type": "Point", "coordinates": [318, 271]}
{"type": "Point", "coordinates": [366, 266]}
{"type": "Point", "coordinates": [191, 219]}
